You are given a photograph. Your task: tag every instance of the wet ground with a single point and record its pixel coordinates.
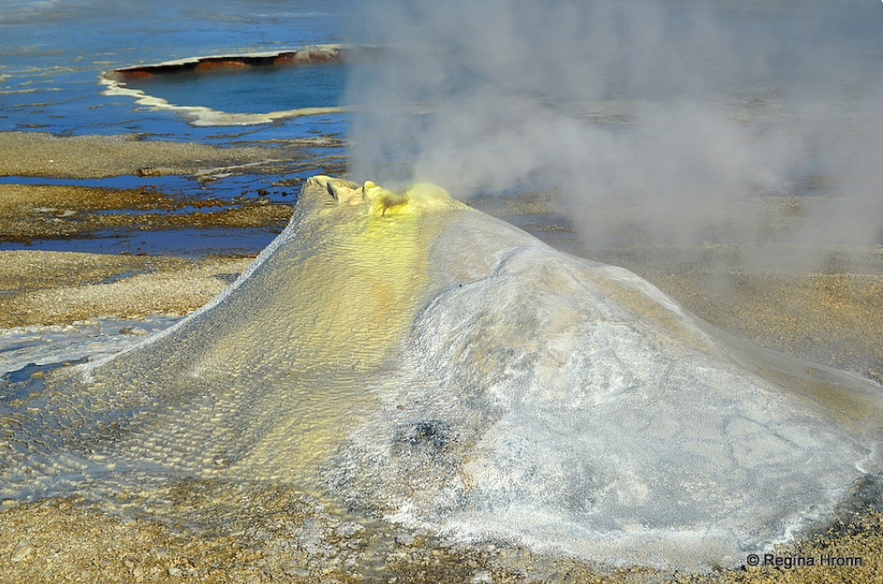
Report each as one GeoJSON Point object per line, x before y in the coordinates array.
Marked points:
{"type": "Point", "coordinates": [213, 532]}
{"type": "Point", "coordinates": [183, 228]}
{"type": "Point", "coordinates": [126, 195]}
{"type": "Point", "coordinates": [169, 213]}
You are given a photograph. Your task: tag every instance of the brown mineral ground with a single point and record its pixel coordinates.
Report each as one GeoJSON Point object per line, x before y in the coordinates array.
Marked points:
{"type": "Point", "coordinates": [41, 154]}
{"type": "Point", "coordinates": [42, 288]}
{"type": "Point", "coordinates": [830, 317]}
{"type": "Point", "coordinates": [210, 531]}
{"type": "Point", "coordinates": [29, 212]}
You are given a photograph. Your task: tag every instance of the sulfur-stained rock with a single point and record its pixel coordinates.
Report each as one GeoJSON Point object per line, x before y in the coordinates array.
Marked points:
{"type": "Point", "coordinates": [416, 360]}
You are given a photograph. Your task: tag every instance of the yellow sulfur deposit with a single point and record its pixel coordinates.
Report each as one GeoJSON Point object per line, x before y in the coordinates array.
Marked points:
{"type": "Point", "coordinates": [416, 360]}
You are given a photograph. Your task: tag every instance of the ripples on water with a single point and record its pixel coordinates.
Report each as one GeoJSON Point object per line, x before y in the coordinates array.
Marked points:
{"type": "Point", "coordinates": [54, 52]}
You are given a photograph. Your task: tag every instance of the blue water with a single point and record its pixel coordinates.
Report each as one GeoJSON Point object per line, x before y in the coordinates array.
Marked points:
{"type": "Point", "coordinates": [52, 57]}
{"type": "Point", "coordinates": [226, 188]}
{"type": "Point", "coordinates": [53, 53]}
{"type": "Point", "coordinates": [255, 90]}
{"type": "Point", "coordinates": [178, 242]}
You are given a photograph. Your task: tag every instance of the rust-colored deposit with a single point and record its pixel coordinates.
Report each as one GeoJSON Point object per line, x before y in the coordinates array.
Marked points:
{"type": "Point", "coordinates": [305, 56]}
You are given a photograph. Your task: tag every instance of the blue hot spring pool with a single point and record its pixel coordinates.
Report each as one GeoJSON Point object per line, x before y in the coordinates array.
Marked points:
{"type": "Point", "coordinates": [255, 90]}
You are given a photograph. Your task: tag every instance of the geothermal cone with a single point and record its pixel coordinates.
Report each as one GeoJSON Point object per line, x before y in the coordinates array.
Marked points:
{"type": "Point", "coordinates": [417, 360]}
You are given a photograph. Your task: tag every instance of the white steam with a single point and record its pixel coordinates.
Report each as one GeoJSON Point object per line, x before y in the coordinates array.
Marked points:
{"type": "Point", "coordinates": [676, 110]}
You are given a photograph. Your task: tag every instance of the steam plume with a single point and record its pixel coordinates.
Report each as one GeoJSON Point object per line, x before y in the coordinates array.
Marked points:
{"type": "Point", "coordinates": [677, 110]}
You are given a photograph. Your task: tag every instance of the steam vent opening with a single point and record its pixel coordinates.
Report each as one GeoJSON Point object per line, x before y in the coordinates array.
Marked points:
{"type": "Point", "coordinates": [239, 89]}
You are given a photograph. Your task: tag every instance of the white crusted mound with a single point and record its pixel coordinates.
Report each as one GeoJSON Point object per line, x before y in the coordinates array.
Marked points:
{"type": "Point", "coordinates": [422, 361]}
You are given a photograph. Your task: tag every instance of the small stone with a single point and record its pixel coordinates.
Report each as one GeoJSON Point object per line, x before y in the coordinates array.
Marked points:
{"type": "Point", "coordinates": [405, 539]}
{"type": "Point", "coordinates": [348, 529]}
{"type": "Point", "coordinates": [296, 570]}
{"type": "Point", "coordinates": [133, 330]}
{"type": "Point", "coordinates": [21, 550]}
